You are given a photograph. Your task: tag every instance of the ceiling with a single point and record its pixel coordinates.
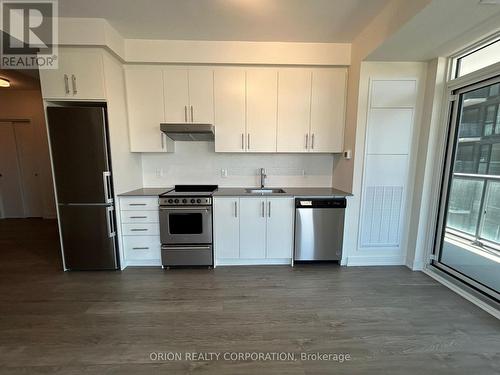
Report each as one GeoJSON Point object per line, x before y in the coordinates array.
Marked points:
{"type": "Point", "coordinates": [242, 20]}
{"type": "Point", "coordinates": [426, 35]}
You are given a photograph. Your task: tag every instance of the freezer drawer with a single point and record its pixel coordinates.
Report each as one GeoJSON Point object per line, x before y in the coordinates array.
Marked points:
{"type": "Point", "coordinates": [88, 237]}
{"type": "Point", "coordinates": [319, 231]}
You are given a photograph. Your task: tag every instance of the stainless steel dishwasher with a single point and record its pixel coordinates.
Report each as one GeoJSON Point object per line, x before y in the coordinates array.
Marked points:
{"type": "Point", "coordinates": [319, 229]}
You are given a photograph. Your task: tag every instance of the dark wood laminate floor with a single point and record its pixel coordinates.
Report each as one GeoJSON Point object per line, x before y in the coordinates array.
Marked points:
{"type": "Point", "coordinates": [389, 319]}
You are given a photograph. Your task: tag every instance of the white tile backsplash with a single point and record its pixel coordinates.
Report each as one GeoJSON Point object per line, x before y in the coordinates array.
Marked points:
{"type": "Point", "coordinates": [197, 163]}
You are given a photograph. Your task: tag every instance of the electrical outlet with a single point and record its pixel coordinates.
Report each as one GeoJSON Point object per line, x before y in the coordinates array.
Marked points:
{"type": "Point", "coordinates": [159, 172]}
{"type": "Point", "coordinates": [223, 172]}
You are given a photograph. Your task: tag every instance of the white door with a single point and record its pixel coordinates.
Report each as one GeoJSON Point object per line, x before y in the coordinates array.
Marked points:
{"type": "Point", "coordinates": [201, 96]}
{"type": "Point", "coordinates": [145, 110]}
{"type": "Point", "coordinates": [229, 92]}
{"type": "Point", "coordinates": [11, 198]}
{"type": "Point", "coordinates": [227, 228]}
{"type": "Point", "coordinates": [328, 110]}
{"type": "Point", "coordinates": [280, 218]}
{"type": "Point", "coordinates": [252, 228]}
{"type": "Point", "coordinates": [176, 94]}
{"type": "Point", "coordinates": [262, 96]}
{"type": "Point", "coordinates": [294, 110]}
{"type": "Point", "coordinates": [28, 164]}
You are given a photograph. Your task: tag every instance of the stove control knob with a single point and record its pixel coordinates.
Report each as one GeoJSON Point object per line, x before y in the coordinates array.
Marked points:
{"type": "Point", "coordinates": [193, 200]}
{"type": "Point", "coordinates": [198, 200]}
{"type": "Point", "coordinates": [184, 201]}
{"type": "Point", "coordinates": [170, 201]}
{"type": "Point", "coordinates": [176, 201]}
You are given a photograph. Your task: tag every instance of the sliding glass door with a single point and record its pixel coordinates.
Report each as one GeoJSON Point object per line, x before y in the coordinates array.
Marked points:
{"type": "Point", "coordinates": [468, 237]}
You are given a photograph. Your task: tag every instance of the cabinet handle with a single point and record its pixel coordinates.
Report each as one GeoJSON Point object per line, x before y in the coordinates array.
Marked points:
{"type": "Point", "coordinates": [73, 82]}
{"type": "Point", "coordinates": [235, 209]}
{"type": "Point", "coordinates": [248, 141]}
{"type": "Point", "coordinates": [66, 83]}
{"type": "Point", "coordinates": [137, 204]}
{"type": "Point", "coordinates": [307, 141]}
{"type": "Point", "coordinates": [185, 113]}
{"type": "Point", "coordinates": [140, 248]}
{"type": "Point", "coordinates": [242, 141]}
{"type": "Point", "coordinates": [139, 230]}
{"type": "Point", "coordinates": [312, 141]}
{"type": "Point", "coordinates": [269, 209]}
{"type": "Point", "coordinates": [192, 117]}
{"type": "Point", "coordinates": [138, 217]}
{"type": "Point", "coordinates": [263, 209]}
{"type": "Point", "coordinates": [162, 141]}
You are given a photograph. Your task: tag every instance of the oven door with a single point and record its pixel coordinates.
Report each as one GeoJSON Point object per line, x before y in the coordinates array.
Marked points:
{"type": "Point", "coordinates": [186, 225]}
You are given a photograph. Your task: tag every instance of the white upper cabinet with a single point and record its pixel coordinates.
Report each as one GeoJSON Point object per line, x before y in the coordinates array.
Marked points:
{"type": "Point", "coordinates": [145, 110]}
{"type": "Point", "coordinates": [201, 95]}
{"type": "Point", "coordinates": [328, 98]}
{"type": "Point", "coordinates": [80, 76]}
{"type": "Point", "coordinates": [261, 111]}
{"type": "Point", "coordinates": [294, 110]}
{"type": "Point", "coordinates": [176, 91]}
{"type": "Point", "coordinates": [229, 96]}
{"type": "Point", "coordinates": [280, 216]}
{"type": "Point", "coordinates": [189, 95]}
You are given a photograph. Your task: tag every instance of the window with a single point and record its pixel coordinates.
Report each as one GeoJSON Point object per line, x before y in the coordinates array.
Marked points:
{"type": "Point", "coordinates": [478, 59]}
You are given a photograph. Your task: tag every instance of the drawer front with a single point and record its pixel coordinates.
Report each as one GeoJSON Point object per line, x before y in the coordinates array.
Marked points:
{"type": "Point", "coordinates": [139, 217]}
{"type": "Point", "coordinates": [139, 203]}
{"type": "Point", "coordinates": [140, 229]}
{"type": "Point", "coordinates": [142, 247]}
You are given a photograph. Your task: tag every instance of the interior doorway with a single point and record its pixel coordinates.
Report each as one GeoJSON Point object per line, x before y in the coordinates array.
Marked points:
{"type": "Point", "coordinates": [19, 171]}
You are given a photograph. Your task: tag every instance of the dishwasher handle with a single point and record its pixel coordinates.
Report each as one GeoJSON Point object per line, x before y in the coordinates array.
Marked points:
{"type": "Point", "coordinates": [320, 203]}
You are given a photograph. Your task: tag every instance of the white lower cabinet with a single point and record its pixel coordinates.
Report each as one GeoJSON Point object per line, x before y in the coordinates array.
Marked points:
{"type": "Point", "coordinates": [253, 230]}
{"type": "Point", "coordinates": [140, 231]}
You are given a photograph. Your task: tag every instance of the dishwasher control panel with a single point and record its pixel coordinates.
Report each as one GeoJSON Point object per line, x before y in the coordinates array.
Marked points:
{"type": "Point", "coordinates": [320, 203]}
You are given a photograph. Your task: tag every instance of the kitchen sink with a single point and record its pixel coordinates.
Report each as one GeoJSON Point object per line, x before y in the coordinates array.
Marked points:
{"type": "Point", "coordinates": [265, 191]}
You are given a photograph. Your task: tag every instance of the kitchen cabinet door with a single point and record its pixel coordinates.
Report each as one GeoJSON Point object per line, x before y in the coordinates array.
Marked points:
{"type": "Point", "coordinates": [262, 96]}
{"type": "Point", "coordinates": [328, 110]}
{"type": "Point", "coordinates": [201, 96]}
{"type": "Point", "coordinates": [294, 110]}
{"type": "Point", "coordinates": [176, 95]}
{"type": "Point", "coordinates": [227, 228]}
{"type": "Point", "coordinates": [252, 228]}
{"type": "Point", "coordinates": [280, 218]}
{"type": "Point", "coordinates": [145, 110]}
{"type": "Point", "coordinates": [229, 95]}
{"type": "Point", "coordinates": [79, 75]}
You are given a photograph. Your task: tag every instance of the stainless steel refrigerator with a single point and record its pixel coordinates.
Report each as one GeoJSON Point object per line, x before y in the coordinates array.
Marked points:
{"type": "Point", "coordinates": [84, 186]}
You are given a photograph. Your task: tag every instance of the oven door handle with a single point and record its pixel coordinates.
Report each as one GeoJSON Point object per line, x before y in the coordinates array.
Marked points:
{"type": "Point", "coordinates": [196, 208]}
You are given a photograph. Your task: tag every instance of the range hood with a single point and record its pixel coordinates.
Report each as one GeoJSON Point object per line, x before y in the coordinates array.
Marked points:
{"type": "Point", "coordinates": [188, 132]}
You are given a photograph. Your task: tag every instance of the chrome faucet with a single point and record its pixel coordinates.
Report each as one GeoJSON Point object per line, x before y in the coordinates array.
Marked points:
{"type": "Point", "coordinates": [263, 176]}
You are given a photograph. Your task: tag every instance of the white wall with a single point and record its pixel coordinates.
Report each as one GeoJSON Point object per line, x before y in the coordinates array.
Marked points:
{"type": "Point", "coordinates": [127, 167]}
{"type": "Point", "coordinates": [196, 162]}
{"type": "Point", "coordinates": [27, 104]}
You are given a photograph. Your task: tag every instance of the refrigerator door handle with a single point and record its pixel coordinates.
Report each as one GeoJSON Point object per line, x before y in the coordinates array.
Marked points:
{"type": "Point", "coordinates": [106, 180]}
{"type": "Point", "coordinates": [110, 222]}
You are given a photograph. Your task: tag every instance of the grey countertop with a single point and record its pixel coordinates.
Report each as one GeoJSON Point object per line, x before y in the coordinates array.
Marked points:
{"type": "Point", "coordinates": [240, 191]}
{"type": "Point", "coordinates": [291, 192]}
{"type": "Point", "coordinates": [145, 192]}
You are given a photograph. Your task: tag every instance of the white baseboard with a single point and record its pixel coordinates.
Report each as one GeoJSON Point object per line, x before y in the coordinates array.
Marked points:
{"type": "Point", "coordinates": [252, 262]}
{"type": "Point", "coordinates": [143, 263]}
{"type": "Point", "coordinates": [368, 260]}
{"type": "Point", "coordinates": [463, 293]}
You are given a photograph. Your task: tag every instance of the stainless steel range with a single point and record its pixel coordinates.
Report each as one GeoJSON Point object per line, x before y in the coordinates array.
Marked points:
{"type": "Point", "coordinates": [186, 226]}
